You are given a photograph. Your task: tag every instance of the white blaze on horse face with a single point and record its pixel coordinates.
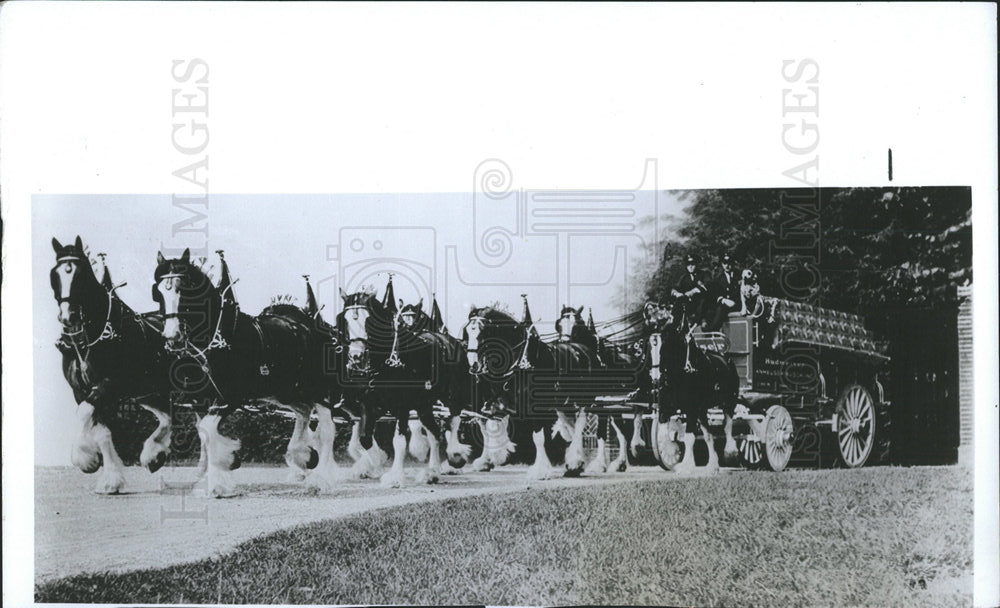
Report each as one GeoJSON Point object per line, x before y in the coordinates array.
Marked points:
{"type": "Point", "coordinates": [409, 319]}
{"type": "Point", "coordinates": [357, 331]}
{"type": "Point", "coordinates": [654, 356]}
{"type": "Point", "coordinates": [170, 292]}
{"type": "Point", "coordinates": [67, 271]}
{"type": "Point", "coordinates": [565, 325]}
{"type": "Point", "coordinates": [473, 330]}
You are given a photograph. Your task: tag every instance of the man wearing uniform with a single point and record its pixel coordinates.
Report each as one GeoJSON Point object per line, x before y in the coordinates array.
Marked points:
{"type": "Point", "coordinates": [725, 295]}
{"type": "Point", "coordinates": [691, 289]}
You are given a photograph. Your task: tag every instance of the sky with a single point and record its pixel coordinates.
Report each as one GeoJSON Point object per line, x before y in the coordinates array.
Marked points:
{"type": "Point", "coordinates": [583, 248]}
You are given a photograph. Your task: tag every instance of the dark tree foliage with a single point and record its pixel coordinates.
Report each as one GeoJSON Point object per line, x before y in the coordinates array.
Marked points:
{"type": "Point", "coordinates": [860, 250]}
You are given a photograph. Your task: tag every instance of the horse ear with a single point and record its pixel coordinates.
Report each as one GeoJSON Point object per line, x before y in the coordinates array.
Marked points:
{"type": "Point", "coordinates": [343, 296]}
{"type": "Point", "coordinates": [56, 244]}
{"type": "Point", "coordinates": [472, 309]}
{"type": "Point", "coordinates": [159, 258]}
{"type": "Point", "coordinates": [186, 256]}
{"type": "Point", "coordinates": [420, 304]}
{"type": "Point", "coordinates": [579, 311]}
{"type": "Point", "coordinates": [79, 243]}
{"type": "Point", "coordinates": [401, 304]}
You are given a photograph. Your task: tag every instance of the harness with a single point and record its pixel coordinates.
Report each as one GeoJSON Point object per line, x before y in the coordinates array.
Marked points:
{"type": "Point", "coordinates": [73, 338]}
{"type": "Point", "coordinates": [521, 362]}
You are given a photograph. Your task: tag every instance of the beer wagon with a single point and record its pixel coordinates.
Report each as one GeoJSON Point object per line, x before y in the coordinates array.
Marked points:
{"type": "Point", "coordinates": [811, 384]}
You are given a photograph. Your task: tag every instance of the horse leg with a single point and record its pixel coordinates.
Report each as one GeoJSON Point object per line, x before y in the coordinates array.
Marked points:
{"type": "Point", "coordinates": [619, 464]}
{"type": "Point", "coordinates": [95, 448]}
{"type": "Point", "coordinates": [483, 463]}
{"type": "Point", "coordinates": [328, 472]}
{"type": "Point", "coordinates": [157, 446]}
{"type": "Point", "coordinates": [600, 462]}
{"type": "Point", "coordinates": [370, 456]}
{"type": "Point", "coordinates": [574, 453]}
{"type": "Point", "coordinates": [418, 446]}
{"type": "Point", "coordinates": [221, 456]}
{"type": "Point", "coordinates": [395, 476]}
{"type": "Point", "coordinates": [686, 465]}
{"type": "Point", "coordinates": [458, 452]}
{"type": "Point", "coordinates": [203, 455]}
{"type": "Point", "coordinates": [730, 453]}
{"type": "Point", "coordinates": [300, 456]}
{"type": "Point", "coordinates": [637, 440]}
{"type": "Point", "coordinates": [354, 448]}
{"type": "Point", "coordinates": [85, 455]}
{"type": "Point", "coordinates": [713, 457]}
{"type": "Point", "coordinates": [432, 474]}
{"type": "Point", "coordinates": [542, 468]}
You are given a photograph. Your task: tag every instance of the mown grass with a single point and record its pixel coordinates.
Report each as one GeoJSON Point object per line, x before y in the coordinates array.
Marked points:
{"type": "Point", "coordinates": [872, 537]}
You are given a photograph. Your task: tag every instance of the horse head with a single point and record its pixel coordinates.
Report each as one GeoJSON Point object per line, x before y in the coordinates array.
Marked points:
{"type": "Point", "coordinates": [413, 317]}
{"type": "Point", "coordinates": [368, 328]}
{"type": "Point", "coordinates": [491, 337]}
{"type": "Point", "coordinates": [75, 286]}
{"type": "Point", "coordinates": [569, 323]}
{"type": "Point", "coordinates": [189, 302]}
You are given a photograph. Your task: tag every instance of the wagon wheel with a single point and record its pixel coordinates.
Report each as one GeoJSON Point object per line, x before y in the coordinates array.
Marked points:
{"type": "Point", "coordinates": [777, 425]}
{"type": "Point", "coordinates": [751, 452]}
{"type": "Point", "coordinates": [855, 426]}
{"type": "Point", "coordinates": [666, 449]}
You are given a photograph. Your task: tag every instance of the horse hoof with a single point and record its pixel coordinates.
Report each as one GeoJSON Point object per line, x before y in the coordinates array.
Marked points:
{"type": "Point", "coordinates": [237, 461]}
{"type": "Point", "coordinates": [157, 462]}
{"type": "Point", "coordinates": [313, 459]}
{"type": "Point", "coordinates": [573, 472]}
{"type": "Point", "coordinates": [457, 461]}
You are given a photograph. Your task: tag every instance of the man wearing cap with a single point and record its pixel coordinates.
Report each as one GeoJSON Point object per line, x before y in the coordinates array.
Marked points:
{"type": "Point", "coordinates": [725, 295]}
{"type": "Point", "coordinates": [690, 288]}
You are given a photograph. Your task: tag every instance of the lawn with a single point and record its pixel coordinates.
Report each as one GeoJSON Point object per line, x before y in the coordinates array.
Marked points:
{"type": "Point", "coordinates": [870, 537]}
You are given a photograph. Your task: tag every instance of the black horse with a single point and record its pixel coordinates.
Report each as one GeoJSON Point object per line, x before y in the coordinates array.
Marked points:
{"type": "Point", "coordinates": [224, 359]}
{"type": "Point", "coordinates": [110, 354]}
{"type": "Point", "coordinates": [395, 370]}
{"type": "Point", "coordinates": [690, 381]}
{"type": "Point", "coordinates": [517, 373]}
{"type": "Point", "coordinates": [430, 352]}
{"type": "Point", "coordinates": [616, 372]}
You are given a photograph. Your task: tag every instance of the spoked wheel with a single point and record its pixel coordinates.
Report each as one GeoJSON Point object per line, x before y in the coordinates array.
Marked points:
{"type": "Point", "coordinates": [777, 426]}
{"type": "Point", "coordinates": [751, 452]}
{"type": "Point", "coordinates": [855, 426]}
{"type": "Point", "coordinates": [666, 449]}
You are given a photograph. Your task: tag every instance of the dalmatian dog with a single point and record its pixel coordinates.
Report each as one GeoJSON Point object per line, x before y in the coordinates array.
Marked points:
{"type": "Point", "coordinates": [749, 291]}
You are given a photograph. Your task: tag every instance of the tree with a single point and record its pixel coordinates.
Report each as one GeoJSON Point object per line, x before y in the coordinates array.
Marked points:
{"type": "Point", "coordinates": [872, 249]}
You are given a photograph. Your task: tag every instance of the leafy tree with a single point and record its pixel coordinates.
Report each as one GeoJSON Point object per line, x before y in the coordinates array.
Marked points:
{"type": "Point", "coordinates": [861, 250]}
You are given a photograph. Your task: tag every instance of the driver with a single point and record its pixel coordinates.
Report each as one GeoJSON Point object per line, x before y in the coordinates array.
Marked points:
{"type": "Point", "coordinates": [690, 290]}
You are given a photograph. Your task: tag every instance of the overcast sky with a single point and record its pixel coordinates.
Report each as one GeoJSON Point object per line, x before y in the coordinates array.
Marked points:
{"type": "Point", "coordinates": [584, 248]}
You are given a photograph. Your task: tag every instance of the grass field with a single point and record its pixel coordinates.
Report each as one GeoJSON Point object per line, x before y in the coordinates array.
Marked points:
{"type": "Point", "coordinates": [870, 537]}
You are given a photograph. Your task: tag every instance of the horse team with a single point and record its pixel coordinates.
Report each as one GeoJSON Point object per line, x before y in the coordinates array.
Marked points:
{"type": "Point", "coordinates": [377, 358]}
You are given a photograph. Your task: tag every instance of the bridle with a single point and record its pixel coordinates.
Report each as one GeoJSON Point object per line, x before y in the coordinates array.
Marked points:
{"type": "Point", "coordinates": [519, 363]}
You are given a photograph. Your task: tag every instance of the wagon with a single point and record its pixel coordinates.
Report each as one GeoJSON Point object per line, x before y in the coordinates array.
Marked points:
{"type": "Point", "coordinates": [811, 387]}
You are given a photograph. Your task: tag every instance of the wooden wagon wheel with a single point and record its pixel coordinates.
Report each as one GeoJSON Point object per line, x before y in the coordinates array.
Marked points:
{"type": "Point", "coordinates": [855, 426]}
{"type": "Point", "coordinates": [666, 449]}
{"type": "Point", "coordinates": [777, 425]}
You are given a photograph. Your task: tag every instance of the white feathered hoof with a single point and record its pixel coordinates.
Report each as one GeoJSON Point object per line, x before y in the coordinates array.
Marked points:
{"type": "Point", "coordinates": [482, 464]}
{"type": "Point", "coordinates": [539, 472]}
{"type": "Point", "coordinates": [457, 460]}
{"type": "Point", "coordinates": [428, 476]}
{"type": "Point", "coordinates": [596, 467]}
{"type": "Point", "coordinates": [86, 462]}
{"type": "Point", "coordinates": [392, 479]}
{"type": "Point", "coordinates": [111, 481]}
{"type": "Point", "coordinates": [730, 455]}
